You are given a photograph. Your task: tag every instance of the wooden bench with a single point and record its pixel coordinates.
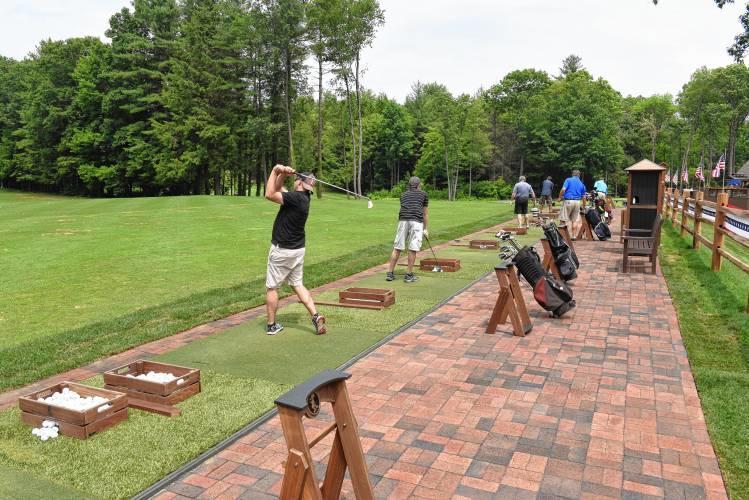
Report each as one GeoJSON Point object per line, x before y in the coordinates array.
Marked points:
{"type": "Point", "coordinates": [645, 245]}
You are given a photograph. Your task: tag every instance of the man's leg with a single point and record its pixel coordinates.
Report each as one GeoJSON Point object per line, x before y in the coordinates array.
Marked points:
{"type": "Point", "coordinates": [411, 260]}
{"type": "Point", "coordinates": [393, 259]}
{"type": "Point", "coordinates": [305, 298]}
{"type": "Point", "coordinates": [271, 304]}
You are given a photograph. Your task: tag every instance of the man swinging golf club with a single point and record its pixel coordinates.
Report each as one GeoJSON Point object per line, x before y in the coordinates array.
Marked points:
{"type": "Point", "coordinates": [412, 226]}
{"type": "Point", "coordinates": [286, 256]}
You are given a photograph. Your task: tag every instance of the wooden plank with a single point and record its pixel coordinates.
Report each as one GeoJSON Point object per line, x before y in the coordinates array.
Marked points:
{"type": "Point", "coordinates": [735, 237]}
{"type": "Point", "coordinates": [295, 476]}
{"type": "Point", "coordinates": [77, 431]}
{"type": "Point", "coordinates": [374, 297]}
{"type": "Point", "coordinates": [704, 241]}
{"type": "Point", "coordinates": [333, 426]}
{"type": "Point", "coordinates": [176, 397]}
{"type": "Point", "coordinates": [368, 290]}
{"type": "Point", "coordinates": [336, 471]}
{"type": "Point", "coordinates": [353, 306]}
{"type": "Point", "coordinates": [151, 407]}
{"type": "Point", "coordinates": [735, 260]}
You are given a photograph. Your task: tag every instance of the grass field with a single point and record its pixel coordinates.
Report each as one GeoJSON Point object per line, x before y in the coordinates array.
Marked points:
{"type": "Point", "coordinates": [715, 330]}
{"type": "Point", "coordinates": [244, 370]}
{"type": "Point", "coordinates": [83, 278]}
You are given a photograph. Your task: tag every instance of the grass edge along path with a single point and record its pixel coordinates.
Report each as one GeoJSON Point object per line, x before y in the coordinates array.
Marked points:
{"type": "Point", "coordinates": [34, 360]}
{"type": "Point", "coordinates": [715, 331]}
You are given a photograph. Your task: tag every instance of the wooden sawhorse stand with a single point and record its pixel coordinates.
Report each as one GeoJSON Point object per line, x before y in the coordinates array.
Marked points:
{"type": "Point", "coordinates": [299, 479]}
{"type": "Point", "coordinates": [566, 235]}
{"type": "Point", "coordinates": [548, 260]}
{"type": "Point", "coordinates": [510, 303]}
{"type": "Point", "coordinates": [586, 232]}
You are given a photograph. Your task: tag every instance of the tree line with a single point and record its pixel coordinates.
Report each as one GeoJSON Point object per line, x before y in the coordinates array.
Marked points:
{"type": "Point", "coordinates": [205, 96]}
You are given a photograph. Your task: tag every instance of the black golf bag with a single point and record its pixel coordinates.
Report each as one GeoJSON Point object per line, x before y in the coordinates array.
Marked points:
{"type": "Point", "coordinates": [564, 256]}
{"type": "Point", "coordinates": [549, 293]}
{"type": "Point", "coordinates": [600, 228]}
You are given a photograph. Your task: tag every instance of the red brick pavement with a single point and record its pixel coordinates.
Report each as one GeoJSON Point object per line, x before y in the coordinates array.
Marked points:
{"type": "Point", "coordinates": [598, 404]}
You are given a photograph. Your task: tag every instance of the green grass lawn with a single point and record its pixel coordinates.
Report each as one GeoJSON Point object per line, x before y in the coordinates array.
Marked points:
{"type": "Point", "coordinates": [715, 330]}
{"type": "Point", "coordinates": [84, 278]}
{"type": "Point", "coordinates": [127, 458]}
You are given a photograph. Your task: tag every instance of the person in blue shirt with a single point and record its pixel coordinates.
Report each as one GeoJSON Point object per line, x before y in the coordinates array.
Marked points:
{"type": "Point", "coordinates": [601, 187]}
{"type": "Point", "coordinates": [573, 191]}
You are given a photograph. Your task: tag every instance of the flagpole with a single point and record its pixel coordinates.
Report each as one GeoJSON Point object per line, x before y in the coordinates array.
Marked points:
{"type": "Point", "coordinates": [724, 172]}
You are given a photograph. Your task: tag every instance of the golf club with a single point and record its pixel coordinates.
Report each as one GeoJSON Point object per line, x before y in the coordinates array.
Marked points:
{"type": "Point", "coordinates": [369, 200]}
{"type": "Point", "coordinates": [436, 268]}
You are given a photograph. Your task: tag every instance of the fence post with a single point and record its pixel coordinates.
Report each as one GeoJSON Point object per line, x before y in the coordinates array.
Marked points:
{"type": "Point", "coordinates": [720, 219]}
{"type": "Point", "coordinates": [675, 208]}
{"type": "Point", "coordinates": [666, 194]}
{"type": "Point", "coordinates": [684, 210]}
{"type": "Point", "coordinates": [698, 197]}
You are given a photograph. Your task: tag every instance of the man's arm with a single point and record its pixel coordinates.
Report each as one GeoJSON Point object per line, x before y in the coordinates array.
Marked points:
{"type": "Point", "coordinates": [426, 221]}
{"type": "Point", "coordinates": [274, 185]}
{"type": "Point", "coordinates": [514, 191]}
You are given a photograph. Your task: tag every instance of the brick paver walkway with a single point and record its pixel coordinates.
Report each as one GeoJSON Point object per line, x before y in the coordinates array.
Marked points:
{"type": "Point", "coordinates": [600, 403]}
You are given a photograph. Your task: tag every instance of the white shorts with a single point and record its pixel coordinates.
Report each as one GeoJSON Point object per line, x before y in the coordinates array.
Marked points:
{"type": "Point", "coordinates": [410, 231]}
{"type": "Point", "coordinates": [284, 266]}
{"type": "Point", "coordinates": [570, 211]}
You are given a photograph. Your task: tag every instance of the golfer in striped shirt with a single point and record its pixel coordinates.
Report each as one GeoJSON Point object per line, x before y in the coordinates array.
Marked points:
{"type": "Point", "coordinates": [412, 226]}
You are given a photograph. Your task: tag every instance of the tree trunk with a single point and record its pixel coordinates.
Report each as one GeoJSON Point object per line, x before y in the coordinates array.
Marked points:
{"type": "Point", "coordinates": [292, 163]}
{"type": "Point", "coordinates": [447, 174]}
{"type": "Point", "coordinates": [353, 134]}
{"type": "Point", "coordinates": [361, 141]}
{"type": "Point", "coordinates": [521, 164]}
{"type": "Point", "coordinates": [319, 125]}
{"type": "Point", "coordinates": [470, 179]}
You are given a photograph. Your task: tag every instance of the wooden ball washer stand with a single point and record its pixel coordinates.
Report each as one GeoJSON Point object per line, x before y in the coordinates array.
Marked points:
{"type": "Point", "coordinates": [299, 479]}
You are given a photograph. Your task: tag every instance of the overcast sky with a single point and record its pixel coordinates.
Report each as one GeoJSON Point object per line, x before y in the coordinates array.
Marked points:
{"type": "Point", "coordinates": [466, 44]}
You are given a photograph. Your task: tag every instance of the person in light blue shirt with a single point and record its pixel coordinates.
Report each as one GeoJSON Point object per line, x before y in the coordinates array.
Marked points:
{"type": "Point", "coordinates": [601, 186]}
{"type": "Point", "coordinates": [572, 192]}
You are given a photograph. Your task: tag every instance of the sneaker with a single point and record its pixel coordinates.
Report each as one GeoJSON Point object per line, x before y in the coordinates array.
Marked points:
{"type": "Point", "coordinates": [319, 321]}
{"type": "Point", "coordinates": [274, 328]}
{"type": "Point", "coordinates": [410, 278]}
{"type": "Point", "coordinates": [389, 276]}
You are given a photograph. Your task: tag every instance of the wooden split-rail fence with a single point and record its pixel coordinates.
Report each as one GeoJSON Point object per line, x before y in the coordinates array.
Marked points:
{"type": "Point", "coordinates": [685, 207]}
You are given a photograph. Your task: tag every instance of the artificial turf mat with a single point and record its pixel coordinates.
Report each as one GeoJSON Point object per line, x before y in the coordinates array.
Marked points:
{"type": "Point", "coordinates": [20, 485]}
{"type": "Point", "coordinates": [129, 457]}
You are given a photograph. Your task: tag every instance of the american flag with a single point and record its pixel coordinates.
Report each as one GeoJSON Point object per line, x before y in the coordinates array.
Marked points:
{"type": "Point", "coordinates": [720, 166]}
{"type": "Point", "coordinates": [668, 176]}
{"type": "Point", "coordinates": [698, 173]}
{"type": "Point", "coordinates": [676, 177]}
{"type": "Point", "coordinates": [685, 175]}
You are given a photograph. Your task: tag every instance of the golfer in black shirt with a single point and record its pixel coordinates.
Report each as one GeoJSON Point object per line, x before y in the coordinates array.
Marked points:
{"type": "Point", "coordinates": [412, 226]}
{"type": "Point", "coordinates": [286, 256]}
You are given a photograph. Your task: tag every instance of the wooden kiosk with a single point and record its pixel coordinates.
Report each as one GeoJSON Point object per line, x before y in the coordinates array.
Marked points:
{"type": "Point", "coordinates": [645, 189]}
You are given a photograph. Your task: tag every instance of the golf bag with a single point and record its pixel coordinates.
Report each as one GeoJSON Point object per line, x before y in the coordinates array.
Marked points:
{"type": "Point", "coordinates": [564, 257]}
{"type": "Point", "coordinates": [600, 228]}
{"type": "Point", "coordinates": [549, 293]}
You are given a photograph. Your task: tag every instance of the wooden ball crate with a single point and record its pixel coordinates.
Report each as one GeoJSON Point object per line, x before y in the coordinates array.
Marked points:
{"type": "Point", "coordinates": [447, 265]}
{"type": "Point", "coordinates": [147, 395]}
{"type": "Point", "coordinates": [73, 423]}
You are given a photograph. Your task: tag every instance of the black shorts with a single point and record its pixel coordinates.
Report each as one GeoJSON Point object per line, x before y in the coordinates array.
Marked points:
{"type": "Point", "coordinates": [521, 207]}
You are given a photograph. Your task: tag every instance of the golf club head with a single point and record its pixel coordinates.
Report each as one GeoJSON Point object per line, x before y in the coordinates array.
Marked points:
{"type": "Point", "coordinates": [436, 269]}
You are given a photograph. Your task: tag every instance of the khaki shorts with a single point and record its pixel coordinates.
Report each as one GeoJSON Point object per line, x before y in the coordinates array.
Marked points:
{"type": "Point", "coordinates": [410, 231]}
{"type": "Point", "coordinates": [284, 266]}
{"type": "Point", "coordinates": [570, 211]}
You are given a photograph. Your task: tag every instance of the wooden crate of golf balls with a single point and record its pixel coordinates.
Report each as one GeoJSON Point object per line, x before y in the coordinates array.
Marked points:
{"type": "Point", "coordinates": [154, 382]}
{"type": "Point", "coordinates": [76, 410]}
{"type": "Point", "coordinates": [446, 265]}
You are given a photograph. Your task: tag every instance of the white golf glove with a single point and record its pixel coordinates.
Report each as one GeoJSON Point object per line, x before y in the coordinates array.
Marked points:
{"type": "Point", "coordinates": [426, 233]}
